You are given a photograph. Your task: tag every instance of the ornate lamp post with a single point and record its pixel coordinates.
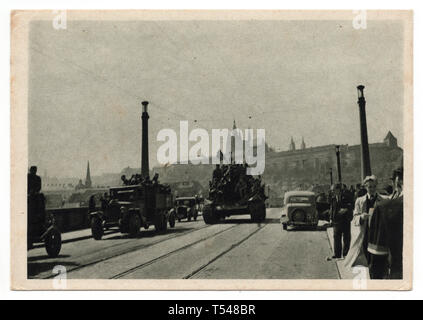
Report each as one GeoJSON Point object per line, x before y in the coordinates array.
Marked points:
{"type": "Point", "coordinates": [365, 155]}
{"type": "Point", "coordinates": [338, 163]}
{"type": "Point", "coordinates": [145, 168]}
{"type": "Point", "coordinates": [331, 176]}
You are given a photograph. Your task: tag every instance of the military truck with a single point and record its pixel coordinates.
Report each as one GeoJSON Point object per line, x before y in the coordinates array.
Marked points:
{"type": "Point", "coordinates": [233, 192]}
{"type": "Point", "coordinates": [131, 207]}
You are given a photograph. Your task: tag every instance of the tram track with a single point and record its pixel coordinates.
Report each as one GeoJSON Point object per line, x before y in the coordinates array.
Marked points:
{"type": "Point", "coordinates": [235, 245]}
{"type": "Point", "coordinates": [164, 256]}
{"type": "Point", "coordinates": [139, 247]}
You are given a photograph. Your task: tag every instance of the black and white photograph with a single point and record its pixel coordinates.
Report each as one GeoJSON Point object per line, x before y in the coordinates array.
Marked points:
{"type": "Point", "coordinates": [221, 150]}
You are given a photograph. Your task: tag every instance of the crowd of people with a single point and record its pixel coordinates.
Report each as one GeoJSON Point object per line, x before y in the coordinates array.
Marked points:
{"type": "Point", "coordinates": [231, 182]}
{"type": "Point", "coordinates": [377, 222]}
{"type": "Point", "coordinates": [138, 179]}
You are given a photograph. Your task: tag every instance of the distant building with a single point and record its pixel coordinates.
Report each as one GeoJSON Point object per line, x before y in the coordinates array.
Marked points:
{"type": "Point", "coordinates": [305, 167]}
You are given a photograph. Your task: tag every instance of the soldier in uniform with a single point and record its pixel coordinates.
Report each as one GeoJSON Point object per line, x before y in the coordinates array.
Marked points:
{"type": "Point", "coordinates": [386, 234]}
{"type": "Point", "coordinates": [217, 173]}
{"type": "Point", "coordinates": [35, 200]}
{"type": "Point", "coordinates": [341, 207]}
{"type": "Point", "coordinates": [34, 181]}
{"type": "Point", "coordinates": [241, 188]}
{"type": "Point", "coordinates": [124, 180]}
{"type": "Point", "coordinates": [155, 178]}
{"type": "Point", "coordinates": [91, 203]}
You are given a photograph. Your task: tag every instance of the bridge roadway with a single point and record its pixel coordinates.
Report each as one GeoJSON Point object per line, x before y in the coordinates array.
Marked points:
{"type": "Point", "coordinates": [233, 249]}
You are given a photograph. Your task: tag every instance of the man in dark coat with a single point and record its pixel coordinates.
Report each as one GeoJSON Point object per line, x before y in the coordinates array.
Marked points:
{"type": "Point", "coordinates": [386, 234]}
{"type": "Point", "coordinates": [341, 207]}
{"type": "Point", "coordinates": [34, 181]}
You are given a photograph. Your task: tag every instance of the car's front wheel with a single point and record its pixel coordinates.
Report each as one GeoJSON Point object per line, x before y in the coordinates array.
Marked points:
{"type": "Point", "coordinates": [97, 230]}
{"type": "Point", "coordinates": [53, 243]}
{"type": "Point", "coordinates": [172, 220]}
{"type": "Point", "coordinates": [161, 222]}
{"type": "Point", "coordinates": [134, 225]}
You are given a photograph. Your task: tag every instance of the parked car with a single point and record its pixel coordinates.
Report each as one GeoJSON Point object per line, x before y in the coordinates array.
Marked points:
{"type": "Point", "coordinates": [186, 208]}
{"type": "Point", "coordinates": [299, 210]}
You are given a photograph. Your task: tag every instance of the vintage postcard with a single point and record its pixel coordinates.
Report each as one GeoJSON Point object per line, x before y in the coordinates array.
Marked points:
{"type": "Point", "coordinates": [212, 150]}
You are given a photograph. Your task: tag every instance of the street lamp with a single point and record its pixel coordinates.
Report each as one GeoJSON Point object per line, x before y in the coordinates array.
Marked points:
{"type": "Point", "coordinates": [145, 167]}
{"type": "Point", "coordinates": [365, 154]}
{"type": "Point", "coordinates": [331, 176]}
{"type": "Point", "coordinates": [338, 163]}
{"type": "Point", "coordinates": [144, 106]}
{"type": "Point", "coordinates": [360, 92]}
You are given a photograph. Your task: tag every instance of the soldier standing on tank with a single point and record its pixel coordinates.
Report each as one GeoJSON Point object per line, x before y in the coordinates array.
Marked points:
{"type": "Point", "coordinates": [36, 201]}
{"type": "Point", "coordinates": [104, 200]}
{"type": "Point", "coordinates": [155, 179]}
{"type": "Point", "coordinates": [34, 181]}
{"type": "Point", "coordinates": [124, 180]}
{"type": "Point", "coordinates": [241, 188]}
{"type": "Point", "coordinates": [217, 173]}
{"type": "Point", "coordinates": [91, 204]}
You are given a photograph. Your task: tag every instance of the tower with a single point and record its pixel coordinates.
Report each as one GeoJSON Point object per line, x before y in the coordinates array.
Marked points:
{"type": "Point", "coordinates": [303, 145]}
{"type": "Point", "coordinates": [292, 145]}
{"type": "Point", "coordinates": [390, 140]}
{"type": "Point", "coordinates": [88, 182]}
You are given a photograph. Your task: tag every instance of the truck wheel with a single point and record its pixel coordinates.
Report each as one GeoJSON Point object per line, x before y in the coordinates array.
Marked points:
{"type": "Point", "coordinates": [134, 225]}
{"type": "Point", "coordinates": [161, 222]}
{"type": "Point", "coordinates": [53, 243]}
{"type": "Point", "coordinates": [263, 213]}
{"type": "Point", "coordinates": [209, 216]}
{"type": "Point", "coordinates": [97, 228]}
{"type": "Point", "coordinates": [172, 221]}
{"type": "Point", "coordinates": [257, 212]}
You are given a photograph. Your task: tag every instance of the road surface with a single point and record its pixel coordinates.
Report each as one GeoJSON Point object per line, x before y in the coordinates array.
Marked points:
{"type": "Point", "coordinates": [233, 249]}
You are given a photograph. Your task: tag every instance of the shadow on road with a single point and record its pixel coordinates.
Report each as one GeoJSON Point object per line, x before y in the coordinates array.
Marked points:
{"type": "Point", "coordinates": [148, 234]}
{"type": "Point", "coordinates": [248, 221]}
{"type": "Point", "coordinates": [46, 257]}
{"type": "Point", "coordinates": [318, 228]}
{"type": "Point", "coordinates": [37, 268]}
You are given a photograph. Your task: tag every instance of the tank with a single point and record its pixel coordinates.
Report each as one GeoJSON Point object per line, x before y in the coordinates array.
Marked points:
{"type": "Point", "coordinates": [233, 192]}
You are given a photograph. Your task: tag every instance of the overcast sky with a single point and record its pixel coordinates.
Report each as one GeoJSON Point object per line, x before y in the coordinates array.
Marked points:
{"type": "Point", "coordinates": [291, 78]}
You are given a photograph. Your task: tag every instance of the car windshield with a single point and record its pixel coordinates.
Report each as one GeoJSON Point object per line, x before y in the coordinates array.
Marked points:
{"type": "Point", "coordinates": [184, 203]}
{"type": "Point", "coordinates": [299, 199]}
{"type": "Point", "coordinates": [124, 195]}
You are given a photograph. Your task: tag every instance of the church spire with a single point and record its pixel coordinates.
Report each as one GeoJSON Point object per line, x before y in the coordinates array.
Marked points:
{"type": "Point", "coordinates": [292, 144]}
{"type": "Point", "coordinates": [303, 145]}
{"type": "Point", "coordinates": [88, 177]}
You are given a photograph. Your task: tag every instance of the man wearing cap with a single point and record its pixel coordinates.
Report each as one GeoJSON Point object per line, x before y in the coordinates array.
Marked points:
{"type": "Point", "coordinates": [364, 206]}
{"type": "Point", "coordinates": [341, 215]}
